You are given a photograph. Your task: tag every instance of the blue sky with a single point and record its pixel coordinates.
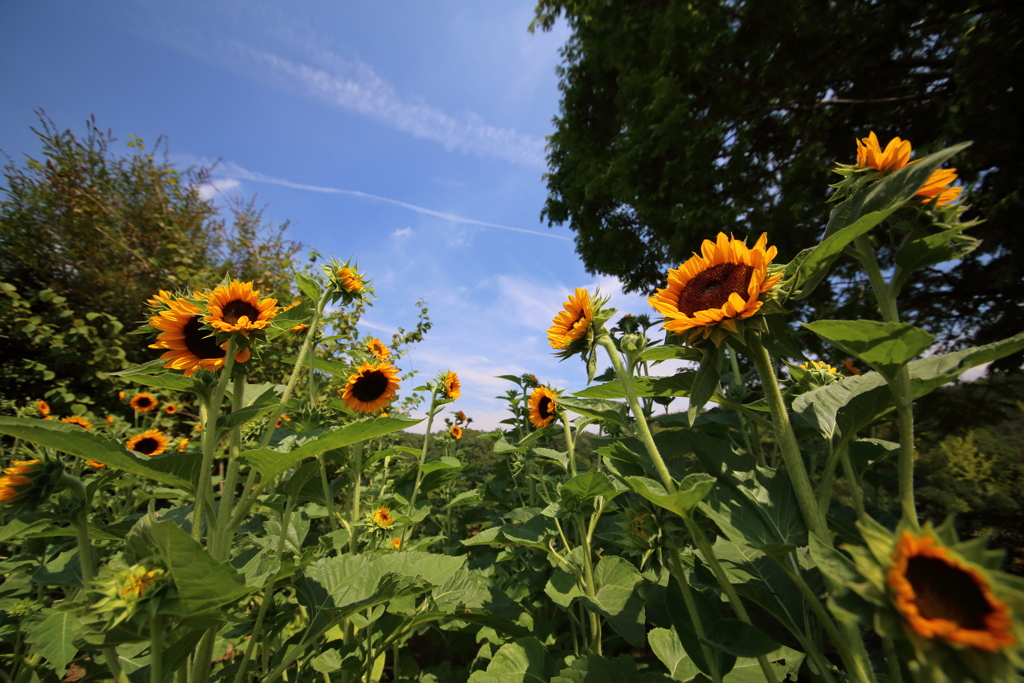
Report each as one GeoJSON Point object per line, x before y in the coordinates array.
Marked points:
{"type": "Point", "coordinates": [407, 135]}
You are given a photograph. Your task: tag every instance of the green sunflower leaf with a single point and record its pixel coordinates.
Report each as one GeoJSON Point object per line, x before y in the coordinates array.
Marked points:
{"type": "Point", "coordinates": [883, 346]}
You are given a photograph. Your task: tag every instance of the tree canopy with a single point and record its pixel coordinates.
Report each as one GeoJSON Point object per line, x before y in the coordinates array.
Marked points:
{"type": "Point", "coordinates": [682, 119]}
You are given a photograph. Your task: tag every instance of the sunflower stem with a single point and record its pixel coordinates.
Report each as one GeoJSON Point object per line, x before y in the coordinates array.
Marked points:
{"type": "Point", "coordinates": [737, 381]}
{"type": "Point", "coordinates": [156, 648]}
{"type": "Point", "coordinates": [423, 458]}
{"type": "Point", "coordinates": [676, 568]}
{"type": "Point", "coordinates": [634, 404]}
{"type": "Point", "coordinates": [569, 445]}
{"type": "Point", "coordinates": [328, 496]}
{"type": "Point", "coordinates": [209, 409]}
{"type": "Point", "coordinates": [899, 385]}
{"type": "Point", "coordinates": [227, 494]}
{"type": "Point", "coordinates": [786, 439]}
{"type": "Point", "coordinates": [357, 467]}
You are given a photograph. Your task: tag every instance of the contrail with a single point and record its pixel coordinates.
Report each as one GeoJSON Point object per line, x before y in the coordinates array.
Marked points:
{"type": "Point", "coordinates": [233, 170]}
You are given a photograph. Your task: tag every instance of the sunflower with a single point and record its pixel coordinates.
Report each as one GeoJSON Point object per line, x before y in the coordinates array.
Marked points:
{"type": "Point", "coordinates": [109, 419]}
{"type": "Point", "coordinates": [190, 347]}
{"type": "Point", "coordinates": [120, 396]}
{"type": "Point", "coordinates": [851, 368]}
{"type": "Point", "coordinates": [377, 348]}
{"type": "Point", "coordinates": [281, 420]}
{"type": "Point", "coordinates": [870, 154]}
{"type": "Point", "coordinates": [349, 279]}
{"type": "Point", "coordinates": [182, 445]}
{"type": "Point", "coordinates": [935, 187]}
{"type": "Point", "coordinates": [452, 386]}
{"type": "Point", "coordinates": [14, 485]}
{"type": "Point", "coordinates": [43, 407]}
{"type": "Point", "coordinates": [382, 518]}
{"type": "Point", "coordinates": [161, 300]}
{"type": "Point", "coordinates": [143, 403]}
{"type": "Point", "coordinates": [542, 407]}
{"type": "Point", "coordinates": [138, 580]}
{"type": "Point", "coordinates": [152, 442]}
{"type": "Point", "coordinates": [301, 327]}
{"type": "Point", "coordinates": [572, 323]}
{"type": "Point", "coordinates": [291, 305]}
{"type": "Point", "coordinates": [76, 420]}
{"type": "Point", "coordinates": [237, 307]}
{"type": "Point", "coordinates": [456, 432]}
{"type": "Point", "coordinates": [170, 409]}
{"type": "Point", "coordinates": [96, 465]}
{"type": "Point", "coordinates": [718, 288]}
{"type": "Point", "coordinates": [371, 387]}
{"type": "Point", "coordinates": [396, 543]}
{"type": "Point", "coordinates": [943, 597]}
{"type": "Point", "coordinates": [820, 365]}
{"type": "Point", "coordinates": [461, 416]}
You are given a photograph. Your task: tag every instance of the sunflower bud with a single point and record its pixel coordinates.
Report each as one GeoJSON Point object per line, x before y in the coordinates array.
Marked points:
{"type": "Point", "coordinates": [349, 284]}
{"type": "Point", "coordinates": [813, 375]}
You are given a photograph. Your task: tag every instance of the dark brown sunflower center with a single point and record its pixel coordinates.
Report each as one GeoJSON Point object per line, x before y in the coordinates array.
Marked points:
{"type": "Point", "coordinates": [143, 402]}
{"type": "Point", "coordinates": [370, 386]}
{"type": "Point", "coordinates": [546, 408]}
{"type": "Point", "coordinates": [147, 446]}
{"type": "Point", "coordinates": [199, 342]}
{"type": "Point", "coordinates": [236, 308]}
{"type": "Point", "coordinates": [713, 287]}
{"type": "Point", "coordinates": [947, 592]}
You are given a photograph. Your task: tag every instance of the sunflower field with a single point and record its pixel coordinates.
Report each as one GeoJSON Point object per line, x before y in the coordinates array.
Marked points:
{"type": "Point", "coordinates": [235, 530]}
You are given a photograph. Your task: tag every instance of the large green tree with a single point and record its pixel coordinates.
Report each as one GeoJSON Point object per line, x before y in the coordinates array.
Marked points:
{"type": "Point", "coordinates": [679, 119]}
{"type": "Point", "coordinates": [87, 235]}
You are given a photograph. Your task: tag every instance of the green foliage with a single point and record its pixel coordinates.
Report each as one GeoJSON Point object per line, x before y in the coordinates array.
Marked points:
{"type": "Point", "coordinates": [678, 119]}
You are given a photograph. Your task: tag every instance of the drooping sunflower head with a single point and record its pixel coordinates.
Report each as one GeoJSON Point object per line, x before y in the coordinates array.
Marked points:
{"type": "Point", "coordinates": [143, 403]}
{"type": "Point", "coordinates": [543, 407]}
{"type": "Point", "coordinates": [870, 154]}
{"type": "Point", "coordinates": [942, 597]}
{"type": "Point", "coordinates": [43, 407]}
{"type": "Point", "coordinates": [381, 518]}
{"type": "Point", "coordinates": [376, 347]}
{"type": "Point", "coordinates": [237, 307]}
{"type": "Point", "coordinates": [150, 442]}
{"type": "Point", "coordinates": [189, 346]}
{"type": "Point", "coordinates": [77, 420]}
{"type": "Point", "coordinates": [456, 432]}
{"type": "Point", "coordinates": [371, 387]}
{"type": "Point", "coordinates": [571, 324]}
{"type": "Point", "coordinates": [710, 294]}
{"type": "Point", "coordinates": [451, 387]}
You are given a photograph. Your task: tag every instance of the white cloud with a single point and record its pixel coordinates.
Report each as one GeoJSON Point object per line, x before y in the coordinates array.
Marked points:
{"type": "Point", "coordinates": [354, 86]}
{"type": "Point", "coordinates": [215, 187]}
{"type": "Point", "coordinates": [401, 233]}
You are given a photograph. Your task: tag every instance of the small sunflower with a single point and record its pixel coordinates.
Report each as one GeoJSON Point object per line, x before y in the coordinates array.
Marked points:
{"type": "Point", "coordinates": [382, 518]}
{"type": "Point", "coordinates": [377, 348]}
{"type": "Point", "coordinates": [371, 387]}
{"type": "Point", "coordinates": [870, 154]}
{"type": "Point", "coordinates": [936, 187]}
{"type": "Point", "coordinates": [718, 288]}
{"type": "Point", "coordinates": [301, 327]}
{"type": "Point", "coordinates": [349, 279]}
{"type": "Point", "coordinates": [461, 416]}
{"type": "Point", "coordinates": [452, 386]}
{"type": "Point", "coordinates": [109, 419]}
{"type": "Point", "coordinates": [17, 480]}
{"type": "Point", "coordinates": [572, 323]}
{"type": "Point", "coordinates": [820, 365]}
{"type": "Point", "coordinates": [96, 465]}
{"type": "Point", "coordinates": [237, 307]}
{"type": "Point", "coordinates": [396, 543]}
{"type": "Point", "coordinates": [190, 347]}
{"type": "Point", "coordinates": [151, 442]}
{"type": "Point", "coordinates": [456, 431]}
{"type": "Point", "coordinates": [851, 368]}
{"type": "Point", "coordinates": [138, 582]}
{"type": "Point", "coordinates": [942, 597]}
{"type": "Point", "coordinates": [543, 407]}
{"type": "Point", "coordinates": [120, 396]}
{"type": "Point", "coordinates": [182, 445]}
{"type": "Point", "coordinates": [76, 420]}
{"type": "Point", "coordinates": [281, 420]}
{"type": "Point", "coordinates": [170, 409]}
{"type": "Point", "coordinates": [43, 407]}
{"type": "Point", "coordinates": [143, 403]}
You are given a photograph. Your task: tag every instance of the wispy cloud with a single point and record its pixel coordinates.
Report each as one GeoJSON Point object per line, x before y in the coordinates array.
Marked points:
{"type": "Point", "coordinates": [234, 171]}
{"type": "Point", "coordinates": [216, 187]}
{"type": "Point", "coordinates": [354, 86]}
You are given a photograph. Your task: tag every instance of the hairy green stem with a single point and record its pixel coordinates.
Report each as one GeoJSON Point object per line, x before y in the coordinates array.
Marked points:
{"type": "Point", "coordinates": [110, 658]}
{"type": "Point", "coordinates": [156, 648]}
{"type": "Point", "coordinates": [357, 474]}
{"type": "Point", "coordinates": [737, 380]}
{"type": "Point", "coordinates": [851, 477]}
{"type": "Point", "coordinates": [210, 411]}
{"type": "Point", "coordinates": [902, 392]}
{"type": "Point", "coordinates": [222, 547]}
{"type": "Point", "coordinates": [419, 466]}
{"type": "Point", "coordinates": [892, 659]}
{"type": "Point", "coordinates": [710, 655]}
{"type": "Point", "coordinates": [569, 445]}
{"type": "Point", "coordinates": [589, 587]}
{"type": "Point", "coordinates": [332, 514]}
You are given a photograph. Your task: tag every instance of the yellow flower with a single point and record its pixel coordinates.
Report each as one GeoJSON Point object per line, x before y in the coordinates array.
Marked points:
{"type": "Point", "coordinates": [170, 409]}
{"type": "Point", "coordinates": [942, 597]}
{"type": "Point", "coordinates": [14, 485]}
{"type": "Point", "coordinates": [382, 518]}
{"type": "Point", "coordinates": [819, 365]}
{"type": "Point", "coordinates": [43, 407]}
{"type": "Point", "coordinates": [377, 348]}
{"type": "Point", "coordinates": [456, 432]}
{"type": "Point", "coordinates": [452, 386]}
{"type": "Point", "coordinates": [109, 419]}
{"type": "Point", "coordinates": [96, 465]}
{"type": "Point", "coordinates": [291, 305]}
{"type": "Point", "coordinates": [301, 327]}
{"type": "Point", "coordinates": [143, 403]}
{"type": "Point", "coordinates": [76, 420]}
{"type": "Point", "coordinates": [151, 442]}
{"type": "Point", "coordinates": [139, 580]}
{"type": "Point", "coordinates": [238, 308]}
{"type": "Point", "coordinates": [396, 543]}
{"type": "Point", "coordinates": [120, 394]}
{"type": "Point", "coordinates": [371, 387]}
{"type": "Point", "coordinates": [190, 346]}
{"type": "Point", "coordinates": [543, 407]}
{"type": "Point", "coordinates": [572, 323]}
{"type": "Point", "coordinates": [718, 288]}
{"type": "Point", "coordinates": [182, 445]}
{"type": "Point", "coordinates": [349, 279]}
{"type": "Point", "coordinates": [461, 416]}
{"type": "Point", "coordinates": [851, 368]}
{"type": "Point", "coordinates": [935, 187]}
{"type": "Point", "coordinates": [281, 420]}
{"type": "Point", "coordinates": [870, 154]}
